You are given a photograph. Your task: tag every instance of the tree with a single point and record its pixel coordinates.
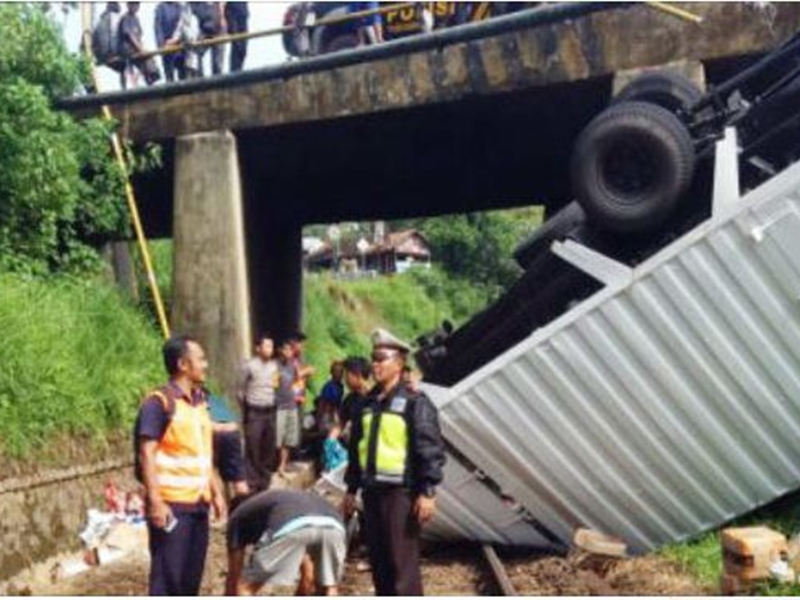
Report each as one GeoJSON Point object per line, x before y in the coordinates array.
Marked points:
{"type": "Point", "coordinates": [479, 246]}
{"type": "Point", "coordinates": [60, 191]}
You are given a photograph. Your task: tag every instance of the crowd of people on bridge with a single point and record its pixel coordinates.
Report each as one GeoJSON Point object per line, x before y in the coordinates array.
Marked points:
{"type": "Point", "coordinates": [187, 32]}
{"type": "Point", "coordinates": [370, 428]}
{"type": "Point", "coordinates": [182, 31]}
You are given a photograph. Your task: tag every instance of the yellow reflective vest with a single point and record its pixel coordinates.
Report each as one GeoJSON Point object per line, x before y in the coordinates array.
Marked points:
{"type": "Point", "coordinates": [396, 441]}
{"type": "Point", "coordinates": [183, 461]}
{"type": "Point", "coordinates": [385, 426]}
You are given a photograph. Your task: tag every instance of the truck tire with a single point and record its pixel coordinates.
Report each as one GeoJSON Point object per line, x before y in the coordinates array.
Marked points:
{"type": "Point", "coordinates": [557, 227]}
{"type": "Point", "coordinates": [631, 165]}
{"type": "Point", "coordinates": [667, 89]}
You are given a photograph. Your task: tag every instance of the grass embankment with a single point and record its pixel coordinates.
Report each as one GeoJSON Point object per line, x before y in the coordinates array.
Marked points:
{"type": "Point", "coordinates": [74, 361]}
{"type": "Point", "coordinates": [339, 315]}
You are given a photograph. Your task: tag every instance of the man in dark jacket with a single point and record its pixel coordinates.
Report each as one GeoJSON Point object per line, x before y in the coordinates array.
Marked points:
{"type": "Point", "coordinates": [130, 46]}
{"type": "Point", "coordinates": [357, 371]}
{"type": "Point", "coordinates": [168, 16]}
{"type": "Point", "coordinates": [211, 20]}
{"type": "Point", "coordinates": [396, 458]}
{"type": "Point", "coordinates": [237, 15]}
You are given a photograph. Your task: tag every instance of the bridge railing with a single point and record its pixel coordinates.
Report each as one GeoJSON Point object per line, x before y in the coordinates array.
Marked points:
{"type": "Point", "coordinates": [296, 28]}
{"type": "Point", "coordinates": [236, 37]}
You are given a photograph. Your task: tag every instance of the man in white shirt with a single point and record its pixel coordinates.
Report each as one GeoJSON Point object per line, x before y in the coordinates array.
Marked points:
{"type": "Point", "coordinates": [256, 397]}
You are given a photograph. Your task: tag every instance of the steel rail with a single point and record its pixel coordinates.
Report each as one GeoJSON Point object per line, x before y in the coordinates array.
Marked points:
{"type": "Point", "coordinates": [498, 570]}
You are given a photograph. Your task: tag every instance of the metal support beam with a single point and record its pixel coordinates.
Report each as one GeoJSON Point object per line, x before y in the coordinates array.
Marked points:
{"type": "Point", "coordinates": [606, 270]}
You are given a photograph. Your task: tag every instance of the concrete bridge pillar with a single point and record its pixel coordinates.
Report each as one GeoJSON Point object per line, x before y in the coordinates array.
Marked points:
{"type": "Point", "coordinates": [210, 289]}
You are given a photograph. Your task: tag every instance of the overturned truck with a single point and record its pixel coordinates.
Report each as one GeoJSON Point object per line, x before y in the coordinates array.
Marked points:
{"type": "Point", "coordinates": [642, 378]}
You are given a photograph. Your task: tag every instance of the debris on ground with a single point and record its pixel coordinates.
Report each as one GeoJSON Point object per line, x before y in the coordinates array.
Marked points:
{"type": "Point", "coordinates": [448, 569]}
{"type": "Point", "coordinates": [109, 535]}
{"type": "Point", "coordinates": [598, 543]}
{"type": "Point", "coordinates": [574, 575]}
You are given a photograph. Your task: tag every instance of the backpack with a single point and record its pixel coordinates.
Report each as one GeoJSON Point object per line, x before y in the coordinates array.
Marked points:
{"type": "Point", "coordinates": [169, 406]}
{"type": "Point", "coordinates": [105, 38]}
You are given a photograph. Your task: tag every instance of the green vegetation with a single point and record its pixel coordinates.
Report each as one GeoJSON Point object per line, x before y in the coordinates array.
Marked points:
{"type": "Point", "coordinates": [702, 556]}
{"type": "Point", "coordinates": [331, 331]}
{"type": "Point", "coordinates": [75, 359]}
{"type": "Point", "coordinates": [76, 356]}
{"type": "Point", "coordinates": [161, 257]}
{"type": "Point", "coordinates": [61, 193]}
{"type": "Point", "coordinates": [339, 315]}
{"type": "Point", "coordinates": [478, 247]}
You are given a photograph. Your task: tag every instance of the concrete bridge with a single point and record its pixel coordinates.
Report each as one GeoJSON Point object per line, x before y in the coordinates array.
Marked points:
{"type": "Point", "coordinates": [472, 118]}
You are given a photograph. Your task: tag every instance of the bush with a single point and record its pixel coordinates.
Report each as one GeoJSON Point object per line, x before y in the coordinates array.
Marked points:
{"type": "Point", "coordinates": [478, 247]}
{"type": "Point", "coordinates": [33, 50]}
{"type": "Point", "coordinates": [459, 299]}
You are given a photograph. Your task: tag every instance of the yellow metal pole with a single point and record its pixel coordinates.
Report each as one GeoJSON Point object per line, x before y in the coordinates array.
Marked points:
{"type": "Point", "coordinates": [129, 194]}
{"type": "Point", "coordinates": [667, 8]}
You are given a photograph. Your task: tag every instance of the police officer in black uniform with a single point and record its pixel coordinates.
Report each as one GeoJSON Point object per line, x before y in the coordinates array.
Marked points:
{"type": "Point", "coordinates": [396, 459]}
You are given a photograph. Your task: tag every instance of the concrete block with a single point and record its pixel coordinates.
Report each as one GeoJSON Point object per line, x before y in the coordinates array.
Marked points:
{"type": "Point", "coordinates": [598, 543]}
{"type": "Point", "coordinates": [748, 552]}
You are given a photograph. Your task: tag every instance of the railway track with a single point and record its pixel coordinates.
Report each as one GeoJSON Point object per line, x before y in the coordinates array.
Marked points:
{"type": "Point", "coordinates": [498, 570]}
{"type": "Point", "coordinates": [448, 569]}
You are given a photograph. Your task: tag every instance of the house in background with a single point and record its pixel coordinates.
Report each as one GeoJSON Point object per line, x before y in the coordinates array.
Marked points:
{"type": "Point", "coordinates": [398, 252]}
{"type": "Point", "coordinates": [311, 244]}
{"type": "Point", "coordinates": [394, 253]}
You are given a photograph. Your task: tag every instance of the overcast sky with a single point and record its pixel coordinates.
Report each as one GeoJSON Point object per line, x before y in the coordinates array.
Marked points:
{"type": "Point", "coordinates": [260, 52]}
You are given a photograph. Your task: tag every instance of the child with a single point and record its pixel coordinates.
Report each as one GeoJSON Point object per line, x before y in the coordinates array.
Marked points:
{"type": "Point", "coordinates": [329, 401]}
{"type": "Point", "coordinates": [333, 452]}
